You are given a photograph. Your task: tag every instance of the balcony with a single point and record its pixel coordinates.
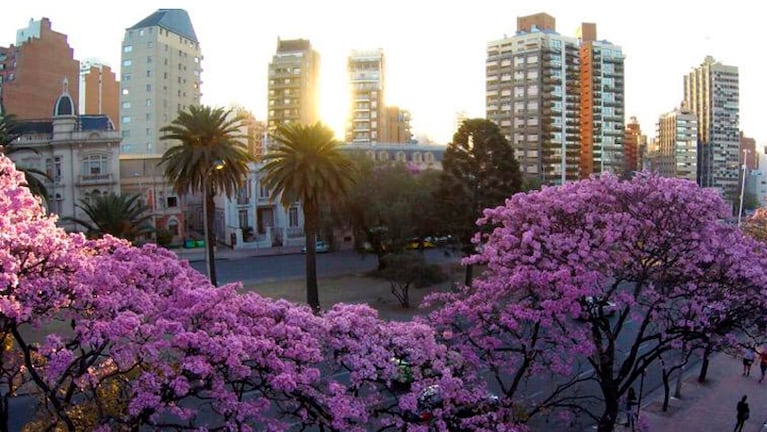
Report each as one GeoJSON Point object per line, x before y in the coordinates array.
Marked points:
{"type": "Point", "coordinates": [95, 179]}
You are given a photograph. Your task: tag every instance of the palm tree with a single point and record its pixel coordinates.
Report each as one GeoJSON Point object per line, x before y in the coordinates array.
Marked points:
{"type": "Point", "coordinates": [9, 132]}
{"type": "Point", "coordinates": [210, 139]}
{"type": "Point", "coordinates": [307, 166]}
{"type": "Point", "coordinates": [123, 216]}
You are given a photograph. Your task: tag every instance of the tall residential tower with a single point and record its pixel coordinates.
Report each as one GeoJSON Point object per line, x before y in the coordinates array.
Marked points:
{"type": "Point", "coordinates": [293, 83]}
{"type": "Point", "coordinates": [711, 92]}
{"type": "Point", "coordinates": [366, 81]}
{"type": "Point", "coordinates": [557, 99]}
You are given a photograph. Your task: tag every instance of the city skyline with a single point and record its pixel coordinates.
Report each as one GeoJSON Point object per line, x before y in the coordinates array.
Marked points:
{"type": "Point", "coordinates": [435, 58]}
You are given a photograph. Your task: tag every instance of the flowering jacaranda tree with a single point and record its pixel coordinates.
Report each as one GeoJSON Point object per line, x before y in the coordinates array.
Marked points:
{"type": "Point", "coordinates": [596, 281]}
{"type": "Point", "coordinates": [108, 336]}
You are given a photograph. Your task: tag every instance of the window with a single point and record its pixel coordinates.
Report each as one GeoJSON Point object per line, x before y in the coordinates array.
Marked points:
{"type": "Point", "coordinates": [293, 216]}
{"type": "Point", "coordinates": [126, 105]}
{"type": "Point", "coordinates": [126, 91]}
{"type": "Point", "coordinates": [127, 48]}
{"type": "Point", "coordinates": [125, 119]}
{"type": "Point", "coordinates": [148, 73]}
{"type": "Point", "coordinates": [125, 133]}
{"type": "Point", "coordinates": [127, 63]}
{"type": "Point", "coordinates": [149, 102]}
{"type": "Point", "coordinates": [149, 44]}
{"type": "Point", "coordinates": [149, 87]}
{"type": "Point", "coordinates": [95, 165]}
{"type": "Point", "coordinates": [126, 77]}
{"type": "Point", "coordinates": [148, 117]}
{"type": "Point", "coordinates": [172, 202]}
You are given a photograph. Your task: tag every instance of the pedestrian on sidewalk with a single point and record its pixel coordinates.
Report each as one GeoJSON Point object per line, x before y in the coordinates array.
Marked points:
{"type": "Point", "coordinates": [631, 402]}
{"type": "Point", "coordinates": [743, 413]}
{"type": "Point", "coordinates": [763, 362]}
{"type": "Point", "coordinates": [748, 360]}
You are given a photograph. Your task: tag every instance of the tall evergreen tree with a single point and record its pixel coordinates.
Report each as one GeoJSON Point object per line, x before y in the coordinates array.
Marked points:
{"type": "Point", "coordinates": [479, 171]}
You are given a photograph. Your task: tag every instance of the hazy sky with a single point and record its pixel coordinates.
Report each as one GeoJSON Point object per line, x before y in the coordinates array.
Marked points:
{"type": "Point", "coordinates": [435, 51]}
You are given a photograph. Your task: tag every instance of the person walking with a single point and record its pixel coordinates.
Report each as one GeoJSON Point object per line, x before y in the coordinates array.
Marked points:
{"type": "Point", "coordinates": [748, 360]}
{"type": "Point", "coordinates": [631, 402]}
{"type": "Point", "coordinates": [763, 362]}
{"type": "Point", "coordinates": [743, 413]}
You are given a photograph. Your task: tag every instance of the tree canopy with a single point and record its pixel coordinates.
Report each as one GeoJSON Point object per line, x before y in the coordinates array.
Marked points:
{"type": "Point", "coordinates": [121, 216]}
{"type": "Point", "coordinates": [307, 166]}
{"type": "Point", "coordinates": [654, 250]}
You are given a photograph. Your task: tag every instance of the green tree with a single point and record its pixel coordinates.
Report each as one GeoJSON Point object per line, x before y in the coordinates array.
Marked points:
{"type": "Point", "coordinates": [307, 166]}
{"type": "Point", "coordinates": [478, 171]}
{"type": "Point", "coordinates": [211, 157]}
{"type": "Point", "coordinates": [9, 132]}
{"type": "Point", "coordinates": [123, 216]}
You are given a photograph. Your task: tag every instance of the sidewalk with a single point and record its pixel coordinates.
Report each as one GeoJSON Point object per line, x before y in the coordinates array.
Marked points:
{"type": "Point", "coordinates": [710, 406]}
{"type": "Point", "coordinates": [223, 252]}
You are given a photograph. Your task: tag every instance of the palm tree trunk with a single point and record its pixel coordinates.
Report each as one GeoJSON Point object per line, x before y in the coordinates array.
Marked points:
{"type": "Point", "coordinates": [311, 217]}
{"type": "Point", "coordinates": [210, 212]}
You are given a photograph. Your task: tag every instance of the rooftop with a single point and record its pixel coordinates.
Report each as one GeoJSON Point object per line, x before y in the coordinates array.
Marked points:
{"type": "Point", "coordinates": [174, 20]}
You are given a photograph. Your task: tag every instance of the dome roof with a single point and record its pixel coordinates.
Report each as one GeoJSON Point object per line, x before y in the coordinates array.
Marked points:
{"type": "Point", "coordinates": [64, 106]}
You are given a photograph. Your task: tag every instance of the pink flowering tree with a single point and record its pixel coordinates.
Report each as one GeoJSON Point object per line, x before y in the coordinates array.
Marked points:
{"type": "Point", "coordinates": [653, 251]}
{"type": "Point", "coordinates": [37, 262]}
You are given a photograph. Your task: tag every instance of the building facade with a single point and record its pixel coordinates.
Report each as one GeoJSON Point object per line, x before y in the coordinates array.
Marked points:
{"type": "Point", "coordinates": [396, 126]}
{"type": "Point", "coordinates": [634, 146]}
{"type": "Point", "coordinates": [99, 90]}
{"type": "Point", "coordinates": [80, 154]}
{"type": "Point", "coordinates": [32, 70]}
{"type": "Point", "coordinates": [601, 104]}
{"type": "Point", "coordinates": [547, 105]}
{"type": "Point", "coordinates": [160, 76]}
{"type": "Point", "coordinates": [711, 92]}
{"type": "Point", "coordinates": [293, 93]}
{"type": "Point", "coordinates": [367, 84]}
{"type": "Point", "coordinates": [677, 145]}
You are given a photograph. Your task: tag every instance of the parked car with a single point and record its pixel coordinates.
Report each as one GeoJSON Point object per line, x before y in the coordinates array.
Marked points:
{"type": "Point", "coordinates": [416, 243]}
{"type": "Point", "coordinates": [320, 246]}
{"type": "Point", "coordinates": [431, 399]}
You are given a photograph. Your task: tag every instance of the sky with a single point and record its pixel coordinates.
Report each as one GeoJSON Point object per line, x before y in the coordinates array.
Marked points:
{"type": "Point", "coordinates": [434, 51]}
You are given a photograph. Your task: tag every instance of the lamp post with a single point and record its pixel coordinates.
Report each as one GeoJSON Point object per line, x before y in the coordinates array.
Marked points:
{"type": "Point", "coordinates": [217, 165]}
{"type": "Point", "coordinates": [742, 185]}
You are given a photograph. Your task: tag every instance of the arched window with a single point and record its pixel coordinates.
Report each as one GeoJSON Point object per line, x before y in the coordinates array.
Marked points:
{"type": "Point", "coordinates": [371, 154]}
{"type": "Point", "coordinates": [383, 155]}
{"type": "Point", "coordinates": [401, 157]}
{"type": "Point", "coordinates": [173, 225]}
{"type": "Point", "coordinates": [417, 158]}
{"type": "Point", "coordinates": [428, 157]}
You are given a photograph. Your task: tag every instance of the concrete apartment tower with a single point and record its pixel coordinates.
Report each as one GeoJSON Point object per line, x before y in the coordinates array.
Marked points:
{"type": "Point", "coordinates": [31, 72]}
{"type": "Point", "coordinates": [677, 145]}
{"type": "Point", "coordinates": [711, 92]}
{"type": "Point", "coordinates": [293, 84]}
{"type": "Point", "coordinates": [602, 104]}
{"type": "Point", "coordinates": [160, 76]}
{"type": "Point", "coordinates": [536, 94]}
{"type": "Point", "coordinates": [395, 126]}
{"type": "Point", "coordinates": [161, 66]}
{"type": "Point", "coordinates": [367, 83]}
{"type": "Point", "coordinates": [99, 90]}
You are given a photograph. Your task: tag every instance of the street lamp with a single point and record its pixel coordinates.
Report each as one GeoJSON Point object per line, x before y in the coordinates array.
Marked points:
{"type": "Point", "coordinates": [216, 166]}
{"type": "Point", "coordinates": [743, 185]}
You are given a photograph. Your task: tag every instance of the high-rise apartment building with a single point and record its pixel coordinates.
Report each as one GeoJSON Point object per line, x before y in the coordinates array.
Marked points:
{"type": "Point", "coordinates": [367, 82]}
{"type": "Point", "coordinates": [293, 84]}
{"type": "Point", "coordinates": [161, 66]}
{"type": "Point", "coordinates": [634, 146]}
{"type": "Point", "coordinates": [99, 90]}
{"type": "Point", "coordinates": [602, 104]}
{"type": "Point", "coordinates": [160, 76]}
{"type": "Point", "coordinates": [538, 93]}
{"type": "Point", "coordinates": [748, 152]}
{"type": "Point", "coordinates": [711, 92]}
{"type": "Point", "coordinates": [677, 145]}
{"type": "Point", "coordinates": [31, 72]}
